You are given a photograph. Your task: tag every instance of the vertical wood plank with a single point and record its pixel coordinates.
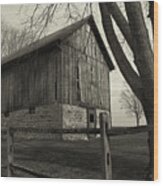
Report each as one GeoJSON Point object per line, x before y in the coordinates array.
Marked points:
{"type": "Point", "coordinates": [19, 86]}
{"type": "Point", "coordinates": [2, 93]}
{"type": "Point", "coordinates": [97, 84]}
{"type": "Point", "coordinates": [37, 81]}
{"type": "Point", "coordinates": [66, 74]}
{"type": "Point", "coordinates": [70, 75]}
{"type": "Point", "coordinates": [106, 160]}
{"type": "Point", "coordinates": [82, 76]}
{"type": "Point", "coordinates": [91, 82]}
{"type": "Point", "coordinates": [73, 76]}
{"type": "Point", "coordinates": [104, 86]}
{"type": "Point", "coordinates": [54, 75]}
{"type": "Point", "coordinates": [6, 91]}
{"type": "Point", "coordinates": [11, 90]}
{"type": "Point", "coordinates": [57, 96]}
{"type": "Point", "coordinates": [50, 81]}
{"type": "Point", "coordinates": [63, 73]}
{"type": "Point", "coordinates": [46, 62]}
{"type": "Point", "coordinates": [26, 85]}
{"type": "Point", "coordinates": [60, 74]}
{"type": "Point", "coordinates": [31, 81]}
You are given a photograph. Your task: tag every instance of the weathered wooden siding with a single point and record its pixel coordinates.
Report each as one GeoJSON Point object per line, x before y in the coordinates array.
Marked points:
{"type": "Point", "coordinates": [75, 74]}
{"type": "Point", "coordinates": [82, 57]}
{"type": "Point", "coordinates": [32, 82]}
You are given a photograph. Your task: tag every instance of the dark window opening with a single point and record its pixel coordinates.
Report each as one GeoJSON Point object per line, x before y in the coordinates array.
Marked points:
{"type": "Point", "coordinates": [91, 118]}
{"type": "Point", "coordinates": [6, 114]}
{"type": "Point", "coordinates": [31, 110]}
{"type": "Point", "coordinates": [95, 50]}
{"type": "Point", "coordinates": [91, 69]}
{"type": "Point", "coordinates": [78, 85]}
{"type": "Point", "coordinates": [78, 96]}
{"type": "Point", "coordinates": [77, 72]}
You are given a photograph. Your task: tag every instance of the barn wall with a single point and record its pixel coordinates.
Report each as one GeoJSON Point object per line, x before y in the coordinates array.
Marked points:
{"type": "Point", "coordinates": [82, 57]}
{"type": "Point", "coordinates": [34, 81]}
{"type": "Point", "coordinates": [75, 74]}
{"type": "Point", "coordinates": [44, 117]}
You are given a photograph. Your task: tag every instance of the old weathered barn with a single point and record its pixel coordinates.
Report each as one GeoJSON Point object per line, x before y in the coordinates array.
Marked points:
{"type": "Point", "coordinates": [62, 78]}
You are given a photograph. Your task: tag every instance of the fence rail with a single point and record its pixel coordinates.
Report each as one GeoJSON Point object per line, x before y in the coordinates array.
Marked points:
{"type": "Point", "coordinates": [116, 131]}
{"type": "Point", "coordinates": [104, 132]}
{"type": "Point", "coordinates": [105, 159]}
{"type": "Point", "coordinates": [28, 171]}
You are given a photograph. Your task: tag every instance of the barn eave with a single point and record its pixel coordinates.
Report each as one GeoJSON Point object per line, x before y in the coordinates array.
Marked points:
{"type": "Point", "coordinates": [55, 39]}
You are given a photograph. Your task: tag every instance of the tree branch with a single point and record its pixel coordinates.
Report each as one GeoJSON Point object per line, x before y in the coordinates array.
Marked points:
{"type": "Point", "coordinates": [121, 22]}
{"type": "Point", "coordinates": [141, 41]}
{"type": "Point", "coordinates": [129, 74]}
{"type": "Point", "coordinates": [151, 13]}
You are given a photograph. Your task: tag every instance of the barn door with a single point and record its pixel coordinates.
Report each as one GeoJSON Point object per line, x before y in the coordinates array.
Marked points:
{"type": "Point", "coordinates": [91, 120]}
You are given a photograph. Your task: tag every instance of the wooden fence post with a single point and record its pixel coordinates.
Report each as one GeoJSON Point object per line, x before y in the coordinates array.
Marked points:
{"type": "Point", "coordinates": [106, 158]}
{"type": "Point", "coordinates": [10, 151]}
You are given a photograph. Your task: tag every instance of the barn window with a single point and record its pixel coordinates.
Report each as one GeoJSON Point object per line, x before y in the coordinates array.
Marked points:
{"type": "Point", "coordinates": [31, 110]}
{"type": "Point", "coordinates": [91, 120]}
{"type": "Point", "coordinates": [95, 50]}
{"type": "Point", "coordinates": [91, 117]}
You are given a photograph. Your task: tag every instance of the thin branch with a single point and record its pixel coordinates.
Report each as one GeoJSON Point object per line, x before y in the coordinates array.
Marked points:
{"type": "Point", "coordinates": [121, 22]}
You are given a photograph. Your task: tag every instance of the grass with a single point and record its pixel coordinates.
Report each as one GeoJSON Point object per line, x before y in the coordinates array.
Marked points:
{"type": "Point", "coordinates": [81, 159]}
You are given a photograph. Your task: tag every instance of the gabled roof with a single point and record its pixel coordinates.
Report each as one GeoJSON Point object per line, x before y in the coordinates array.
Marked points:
{"type": "Point", "coordinates": [59, 36]}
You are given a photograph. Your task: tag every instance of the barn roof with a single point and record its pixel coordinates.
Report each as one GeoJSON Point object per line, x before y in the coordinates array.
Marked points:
{"type": "Point", "coordinates": [58, 36]}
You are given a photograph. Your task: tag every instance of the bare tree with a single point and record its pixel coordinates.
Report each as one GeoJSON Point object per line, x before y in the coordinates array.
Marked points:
{"type": "Point", "coordinates": [132, 105]}
{"type": "Point", "coordinates": [136, 34]}
{"type": "Point", "coordinates": [13, 39]}
{"type": "Point", "coordinates": [134, 30]}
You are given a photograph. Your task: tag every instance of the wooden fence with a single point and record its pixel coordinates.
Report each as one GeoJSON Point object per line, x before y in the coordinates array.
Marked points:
{"type": "Point", "coordinates": [104, 132]}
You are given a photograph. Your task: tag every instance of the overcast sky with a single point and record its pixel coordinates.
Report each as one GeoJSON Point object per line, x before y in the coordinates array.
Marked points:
{"type": "Point", "coordinates": [11, 15]}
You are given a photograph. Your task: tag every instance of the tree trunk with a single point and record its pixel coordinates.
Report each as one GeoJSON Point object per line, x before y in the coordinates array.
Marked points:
{"type": "Point", "coordinates": [149, 113]}
{"type": "Point", "coordinates": [151, 13]}
{"type": "Point", "coordinates": [126, 69]}
{"type": "Point", "coordinates": [145, 61]}
{"type": "Point", "coordinates": [143, 85]}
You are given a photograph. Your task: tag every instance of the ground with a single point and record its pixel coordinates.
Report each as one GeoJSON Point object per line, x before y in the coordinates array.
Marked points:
{"type": "Point", "coordinates": [81, 159]}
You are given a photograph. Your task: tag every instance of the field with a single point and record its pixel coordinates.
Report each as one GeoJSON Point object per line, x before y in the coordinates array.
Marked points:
{"type": "Point", "coordinates": [81, 159]}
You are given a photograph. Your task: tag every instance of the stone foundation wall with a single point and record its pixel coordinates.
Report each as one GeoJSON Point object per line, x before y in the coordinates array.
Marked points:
{"type": "Point", "coordinates": [44, 116]}
{"type": "Point", "coordinates": [74, 117]}
{"type": "Point", "coordinates": [55, 115]}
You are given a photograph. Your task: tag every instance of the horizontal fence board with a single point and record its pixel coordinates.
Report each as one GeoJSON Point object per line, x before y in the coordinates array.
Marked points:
{"type": "Point", "coordinates": [3, 166]}
{"type": "Point", "coordinates": [29, 171]}
{"type": "Point", "coordinates": [111, 132]}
